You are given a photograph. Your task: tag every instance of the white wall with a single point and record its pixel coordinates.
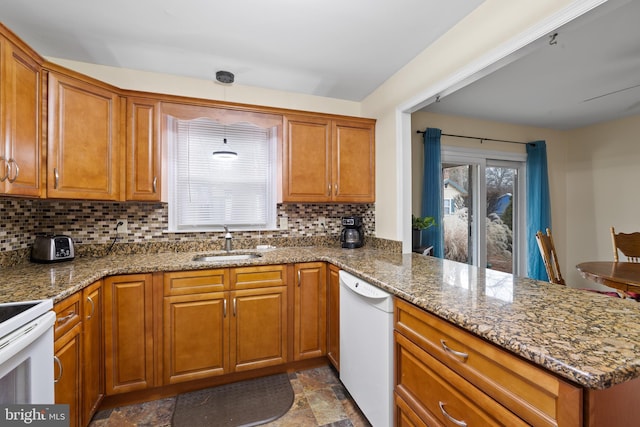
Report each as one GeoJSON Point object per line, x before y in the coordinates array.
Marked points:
{"type": "Point", "coordinates": [478, 36]}
{"type": "Point", "coordinates": [209, 89]}
{"type": "Point", "coordinates": [603, 172]}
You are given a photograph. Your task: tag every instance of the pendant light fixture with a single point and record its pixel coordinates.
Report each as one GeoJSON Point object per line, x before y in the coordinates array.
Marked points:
{"type": "Point", "coordinates": [226, 78]}
{"type": "Point", "coordinates": [225, 154]}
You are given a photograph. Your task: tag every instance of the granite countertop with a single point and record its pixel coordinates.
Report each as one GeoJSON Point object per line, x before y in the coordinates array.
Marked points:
{"type": "Point", "coordinates": [588, 338]}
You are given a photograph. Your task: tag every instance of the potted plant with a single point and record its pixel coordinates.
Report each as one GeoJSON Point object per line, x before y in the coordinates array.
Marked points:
{"type": "Point", "coordinates": [419, 223]}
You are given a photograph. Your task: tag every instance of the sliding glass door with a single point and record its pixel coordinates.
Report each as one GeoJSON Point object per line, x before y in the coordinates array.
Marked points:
{"type": "Point", "coordinates": [483, 208]}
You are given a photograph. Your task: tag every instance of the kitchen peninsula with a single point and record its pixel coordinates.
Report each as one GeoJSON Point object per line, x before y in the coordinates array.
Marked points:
{"type": "Point", "coordinates": [589, 340]}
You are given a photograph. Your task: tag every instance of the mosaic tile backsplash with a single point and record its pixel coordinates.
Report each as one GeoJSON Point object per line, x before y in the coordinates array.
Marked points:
{"type": "Point", "coordinates": [93, 223]}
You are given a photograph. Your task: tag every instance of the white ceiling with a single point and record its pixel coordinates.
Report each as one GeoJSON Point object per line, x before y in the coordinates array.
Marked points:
{"type": "Point", "coordinates": [591, 75]}
{"type": "Point", "coordinates": [341, 49]}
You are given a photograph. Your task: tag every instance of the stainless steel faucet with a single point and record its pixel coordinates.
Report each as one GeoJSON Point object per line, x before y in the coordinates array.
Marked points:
{"type": "Point", "coordinates": [227, 239]}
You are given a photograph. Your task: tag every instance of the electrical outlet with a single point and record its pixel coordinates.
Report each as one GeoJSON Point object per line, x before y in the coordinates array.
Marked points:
{"type": "Point", "coordinates": [322, 223]}
{"type": "Point", "coordinates": [122, 226]}
{"type": "Point", "coordinates": [284, 223]}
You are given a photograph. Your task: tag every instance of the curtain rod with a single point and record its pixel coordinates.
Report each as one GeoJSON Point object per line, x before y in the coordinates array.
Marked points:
{"type": "Point", "coordinates": [478, 138]}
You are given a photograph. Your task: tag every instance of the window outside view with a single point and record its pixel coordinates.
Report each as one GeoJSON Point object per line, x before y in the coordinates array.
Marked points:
{"type": "Point", "coordinates": [458, 199]}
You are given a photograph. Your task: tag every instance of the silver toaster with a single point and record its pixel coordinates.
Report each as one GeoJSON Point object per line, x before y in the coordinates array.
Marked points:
{"type": "Point", "coordinates": [52, 249]}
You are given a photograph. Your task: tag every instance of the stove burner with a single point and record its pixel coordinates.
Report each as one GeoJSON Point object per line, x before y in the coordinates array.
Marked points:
{"type": "Point", "coordinates": [9, 311]}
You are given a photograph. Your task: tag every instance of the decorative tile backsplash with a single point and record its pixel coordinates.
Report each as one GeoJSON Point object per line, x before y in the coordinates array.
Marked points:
{"type": "Point", "coordinates": [93, 223]}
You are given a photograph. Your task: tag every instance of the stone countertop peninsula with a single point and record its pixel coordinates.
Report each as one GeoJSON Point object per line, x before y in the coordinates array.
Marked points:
{"type": "Point", "coordinates": [588, 338]}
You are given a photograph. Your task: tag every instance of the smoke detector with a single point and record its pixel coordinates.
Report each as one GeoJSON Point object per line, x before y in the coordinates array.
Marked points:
{"type": "Point", "coordinates": [224, 77]}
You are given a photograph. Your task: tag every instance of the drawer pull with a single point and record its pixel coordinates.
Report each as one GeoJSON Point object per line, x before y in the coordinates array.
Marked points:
{"type": "Point", "coordinates": [59, 363]}
{"type": "Point", "coordinates": [449, 417]}
{"type": "Point", "coordinates": [93, 308]}
{"type": "Point", "coordinates": [62, 320]}
{"type": "Point", "coordinates": [7, 169]}
{"type": "Point", "coordinates": [12, 180]}
{"type": "Point", "coordinates": [461, 355]}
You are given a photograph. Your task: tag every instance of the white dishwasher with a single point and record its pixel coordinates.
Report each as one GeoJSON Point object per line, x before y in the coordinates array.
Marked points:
{"type": "Point", "coordinates": [366, 347]}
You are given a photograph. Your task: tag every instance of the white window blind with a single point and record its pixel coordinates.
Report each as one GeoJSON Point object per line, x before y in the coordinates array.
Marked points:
{"type": "Point", "coordinates": [207, 193]}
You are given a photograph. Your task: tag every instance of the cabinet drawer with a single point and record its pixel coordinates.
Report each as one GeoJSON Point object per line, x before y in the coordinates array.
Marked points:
{"type": "Point", "coordinates": [266, 276]}
{"type": "Point", "coordinates": [443, 394]}
{"type": "Point", "coordinates": [68, 312]}
{"type": "Point", "coordinates": [195, 282]}
{"type": "Point", "coordinates": [536, 395]}
{"type": "Point", "coordinates": [405, 415]}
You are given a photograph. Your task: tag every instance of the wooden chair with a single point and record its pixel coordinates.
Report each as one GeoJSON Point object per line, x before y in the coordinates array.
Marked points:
{"type": "Point", "coordinates": [549, 257]}
{"type": "Point", "coordinates": [627, 243]}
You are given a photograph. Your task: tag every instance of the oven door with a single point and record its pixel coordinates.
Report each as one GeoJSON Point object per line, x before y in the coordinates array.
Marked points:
{"type": "Point", "coordinates": [26, 363]}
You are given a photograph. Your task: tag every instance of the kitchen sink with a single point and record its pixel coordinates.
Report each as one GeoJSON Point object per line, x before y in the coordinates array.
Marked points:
{"type": "Point", "coordinates": [225, 257]}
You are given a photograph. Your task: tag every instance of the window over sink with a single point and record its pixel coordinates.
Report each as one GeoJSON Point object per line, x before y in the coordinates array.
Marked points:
{"type": "Point", "coordinates": [236, 189]}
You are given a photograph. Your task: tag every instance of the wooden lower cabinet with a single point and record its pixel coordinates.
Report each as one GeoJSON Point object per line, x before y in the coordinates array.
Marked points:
{"type": "Point", "coordinates": [333, 316]}
{"type": "Point", "coordinates": [68, 356]}
{"type": "Point", "coordinates": [310, 310]}
{"type": "Point", "coordinates": [196, 335]}
{"type": "Point", "coordinates": [92, 351]}
{"type": "Point", "coordinates": [129, 333]}
{"type": "Point", "coordinates": [258, 335]}
{"type": "Point", "coordinates": [224, 320]}
{"type": "Point", "coordinates": [447, 374]}
{"type": "Point", "coordinates": [68, 372]}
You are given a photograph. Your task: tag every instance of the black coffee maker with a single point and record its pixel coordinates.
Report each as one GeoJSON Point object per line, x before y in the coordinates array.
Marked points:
{"type": "Point", "coordinates": [352, 235]}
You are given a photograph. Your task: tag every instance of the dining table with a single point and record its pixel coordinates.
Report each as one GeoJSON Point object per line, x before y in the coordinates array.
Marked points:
{"type": "Point", "coordinates": [624, 276]}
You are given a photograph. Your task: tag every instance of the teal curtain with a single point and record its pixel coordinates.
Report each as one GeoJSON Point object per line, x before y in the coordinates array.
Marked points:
{"type": "Point", "coordinates": [538, 206]}
{"type": "Point", "coordinates": [432, 191]}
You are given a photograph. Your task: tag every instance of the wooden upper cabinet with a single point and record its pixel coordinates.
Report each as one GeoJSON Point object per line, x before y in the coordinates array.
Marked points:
{"type": "Point", "coordinates": [306, 162]}
{"type": "Point", "coordinates": [21, 167]}
{"type": "Point", "coordinates": [83, 140]}
{"type": "Point", "coordinates": [144, 153]}
{"type": "Point", "coordinates": [328, 160]}
{"type": "Point", "coordinates": [353, 176]}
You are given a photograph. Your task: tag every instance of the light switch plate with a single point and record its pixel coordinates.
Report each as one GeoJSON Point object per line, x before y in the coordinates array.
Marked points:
{"type": "Point", "coordinates": [284, 223]}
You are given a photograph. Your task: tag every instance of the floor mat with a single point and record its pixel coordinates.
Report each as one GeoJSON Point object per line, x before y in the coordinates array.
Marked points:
{"type": "Point", "coordinates": [245, 403]}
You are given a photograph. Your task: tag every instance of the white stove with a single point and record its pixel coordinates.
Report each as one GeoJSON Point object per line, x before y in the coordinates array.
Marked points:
{"type": "Point", "coordinates": [26, 352]}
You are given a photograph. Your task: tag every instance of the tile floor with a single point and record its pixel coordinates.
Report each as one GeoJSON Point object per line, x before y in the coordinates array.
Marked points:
{"type": "Point", "coordinates": [320, 401]}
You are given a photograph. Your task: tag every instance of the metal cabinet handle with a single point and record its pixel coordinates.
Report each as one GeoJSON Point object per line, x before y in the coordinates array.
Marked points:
{"type": "Point", "coordinates": [9, 162]}
{"type": "Point", "coordinates": [93, 307]}
{"type": "Point", "coordinates": [6, 168]}
{"type": "Point", "coordinates": [55, 178]}
{"type": "Point", "coordinates": [449, 417]}
{"type": "Point", "coordinates": [299, 279]}
{"type": "Point", "coordinates": [234, 307]}
{"type": "Point", "coordinates": [59, 363]}
{"type": "Point", "coordinates": [155, 184]}
{"type": "Point", "coordinates": [461, 355]}
{"type": "Point", "coordinates": [335, 187]}
{"type": "Point", "coordinates": [224, 307]}
{"type": "Point", "coordinates": [65, 319]}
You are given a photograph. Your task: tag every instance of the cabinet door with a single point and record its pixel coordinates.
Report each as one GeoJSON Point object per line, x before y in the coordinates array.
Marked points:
{"type": "Point", "coordinates": [196, 339]}
{"type": "Point", "coordinates": [128, 312]}
{"type": "Point", "coordinates": [333, 316]}
{"type": "Point", "coordinates": [310, 311]}
{"type": "Point", "coordinates": [353, 175]}
{"type": "Point", "coordinates": [258, 328]}
{"type": "Point", "coordinates": [67, 369]}
{"type": "Point", "coordinates": [307, 159]}
{"type": "Point", "coordinates": [93, 354]}
{"type": "Point", "coordinates": [144, 154]}
{"type": "Point", "coordinates": [83, 140]}
{"type": "Point", "coordinates": [21, 96]}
